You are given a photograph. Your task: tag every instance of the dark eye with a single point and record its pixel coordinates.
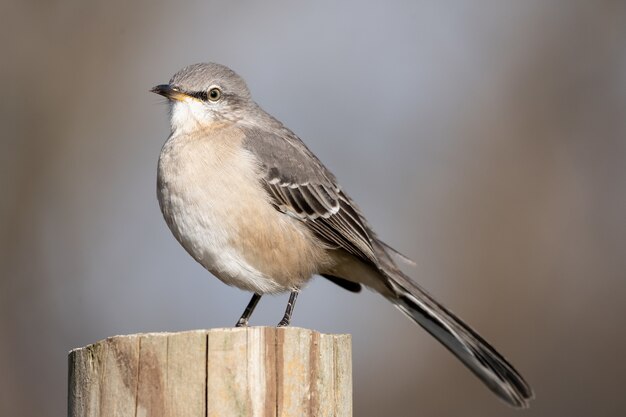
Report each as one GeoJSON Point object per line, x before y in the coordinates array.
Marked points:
{"type": "Point", "coordinates": [214, 94]}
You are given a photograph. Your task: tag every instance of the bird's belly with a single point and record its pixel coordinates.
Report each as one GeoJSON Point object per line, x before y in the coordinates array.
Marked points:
{"type": "Point", "coordinates": [203, 232]}
{"type": "Point", "coordinates": [222, 217]}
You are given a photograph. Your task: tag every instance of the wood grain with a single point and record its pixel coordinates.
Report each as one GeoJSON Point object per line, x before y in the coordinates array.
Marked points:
{"type": "Point", "coordinates": [254, 371]}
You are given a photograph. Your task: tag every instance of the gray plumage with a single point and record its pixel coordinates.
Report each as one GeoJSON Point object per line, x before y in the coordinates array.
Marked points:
{"type": "Point", "coordinates": [199, 77]}
{"type": "Point", "coordinates": [299, 187]}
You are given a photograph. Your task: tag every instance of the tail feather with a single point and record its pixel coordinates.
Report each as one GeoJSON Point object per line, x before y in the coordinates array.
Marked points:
{"type": "Point", "coordinates": [482, 359]}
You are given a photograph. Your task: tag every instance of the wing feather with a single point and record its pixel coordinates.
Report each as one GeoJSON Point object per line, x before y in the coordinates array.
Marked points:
{"type": "Point", "coordinates": [299, 185]}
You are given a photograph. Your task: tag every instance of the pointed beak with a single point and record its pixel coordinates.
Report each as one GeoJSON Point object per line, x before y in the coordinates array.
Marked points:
{"type": "Point", "coordinates": [169, 92]}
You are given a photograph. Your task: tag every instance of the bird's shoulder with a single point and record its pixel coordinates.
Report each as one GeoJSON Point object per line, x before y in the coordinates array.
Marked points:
{"type": "Point", "coordinates": [285, 156]}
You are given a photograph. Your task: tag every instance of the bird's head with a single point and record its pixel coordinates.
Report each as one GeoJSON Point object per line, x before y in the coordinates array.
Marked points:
{"type": "Point", "coordinates": [201, 95]}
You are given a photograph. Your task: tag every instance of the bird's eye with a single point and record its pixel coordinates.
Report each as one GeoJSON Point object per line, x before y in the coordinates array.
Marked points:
{"type": "Point", "coordinates": [214, 94]}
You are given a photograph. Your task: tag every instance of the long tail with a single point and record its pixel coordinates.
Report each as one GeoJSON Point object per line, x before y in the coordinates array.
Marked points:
{"type": "Point", "coordinates": [483, 360]}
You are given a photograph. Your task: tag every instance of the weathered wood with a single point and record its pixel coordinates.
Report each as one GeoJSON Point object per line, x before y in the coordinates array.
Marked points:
{"type": "Point", "coordinates": [254, 371]}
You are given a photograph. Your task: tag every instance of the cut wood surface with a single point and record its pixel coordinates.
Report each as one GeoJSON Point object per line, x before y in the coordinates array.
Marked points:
{"type": "Point", "coordinates": [253, 371]}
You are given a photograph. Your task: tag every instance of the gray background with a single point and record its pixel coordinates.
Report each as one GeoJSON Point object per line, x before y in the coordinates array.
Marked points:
{"type": "Point", "coordinates": [485, 139]}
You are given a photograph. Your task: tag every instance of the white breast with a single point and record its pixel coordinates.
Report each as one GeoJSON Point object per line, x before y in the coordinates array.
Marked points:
{"type": "Point", "coordinates": [202, 185]}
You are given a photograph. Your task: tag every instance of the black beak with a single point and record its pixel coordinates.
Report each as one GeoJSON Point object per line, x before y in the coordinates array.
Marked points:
{"type": "Point", "coordinates": [169, 92]}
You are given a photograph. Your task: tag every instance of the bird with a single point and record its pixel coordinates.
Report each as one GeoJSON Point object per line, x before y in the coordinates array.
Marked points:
{"type": "Point", "coordinates": [249, 201]}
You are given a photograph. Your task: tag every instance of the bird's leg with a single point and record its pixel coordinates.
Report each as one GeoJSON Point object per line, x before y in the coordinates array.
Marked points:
{"type": "Point", "coordinates": [243, 321]}
{"type": "Point", "coordinates": [292, 302]}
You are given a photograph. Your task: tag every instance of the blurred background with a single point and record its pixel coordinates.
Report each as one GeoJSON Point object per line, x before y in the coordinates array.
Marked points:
{"type": "Point", "coordinates": [486, 140]}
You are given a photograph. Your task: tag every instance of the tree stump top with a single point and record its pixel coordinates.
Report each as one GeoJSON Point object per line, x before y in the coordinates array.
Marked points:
{"type": "Point", "coordinates": [253, 371]}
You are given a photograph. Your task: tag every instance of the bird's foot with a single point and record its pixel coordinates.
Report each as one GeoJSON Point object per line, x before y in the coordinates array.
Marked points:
{"type": "Point", "coordinates": [242, 323]}
{"type": "Point", "coordinates": [290, 304]}
{"type": "Point", "coordinates": [284, 322]}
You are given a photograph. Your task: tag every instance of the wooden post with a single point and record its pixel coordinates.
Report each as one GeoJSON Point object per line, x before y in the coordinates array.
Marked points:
{"type": "Point", "coordinates": [254, 371]}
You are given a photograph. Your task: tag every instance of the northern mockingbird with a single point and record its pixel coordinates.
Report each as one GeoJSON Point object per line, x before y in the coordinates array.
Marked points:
{"type": "Point", "coordinates": [252, 204]}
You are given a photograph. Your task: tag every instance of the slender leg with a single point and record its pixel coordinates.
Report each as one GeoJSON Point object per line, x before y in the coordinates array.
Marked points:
{"type": "Point", "coordinates": [292, 302]}
{"type": "Point", "coordinates": [243, 321]}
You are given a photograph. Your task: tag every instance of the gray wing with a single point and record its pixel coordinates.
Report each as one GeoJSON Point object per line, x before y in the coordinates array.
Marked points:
{"type": "Point", "coordinates": [300, 186]}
